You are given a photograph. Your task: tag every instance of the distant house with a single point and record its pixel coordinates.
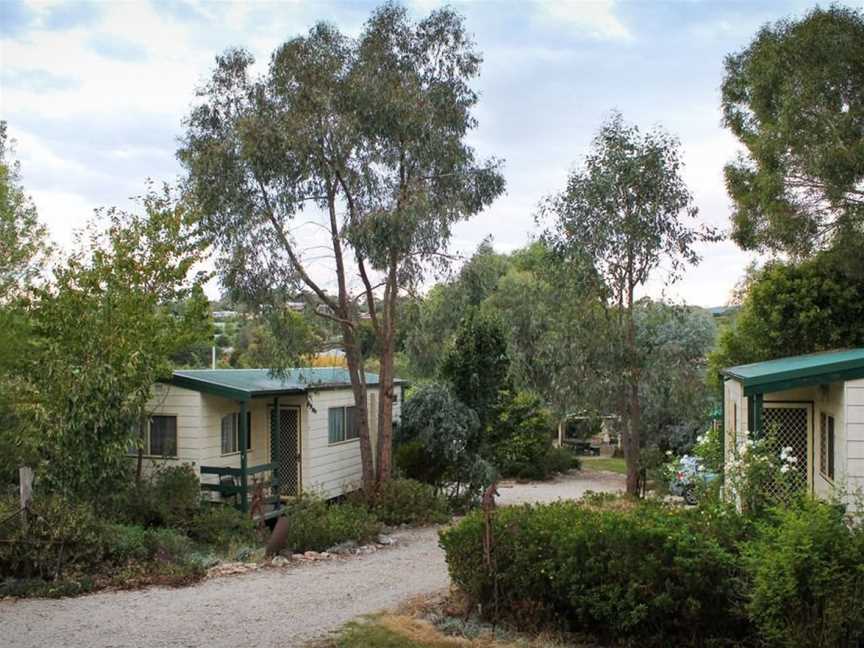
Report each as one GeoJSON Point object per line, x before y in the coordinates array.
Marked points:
{"type": "Point", "coordinates": [224, 314]}
{"type": "Point", "coordinates": [299, 428]}
{"type": "Point", "coordinates": [814, 404]}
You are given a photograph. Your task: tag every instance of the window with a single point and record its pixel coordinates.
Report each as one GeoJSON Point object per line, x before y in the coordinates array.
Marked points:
{"type": "Point", "coordinates": [231, 432]}
{"type": "Point", "coordinates": [159, 436]}
{"type": "Point", "coordinates": [826, 445]}
{"type": "Point", "coordinates": [343, 424]}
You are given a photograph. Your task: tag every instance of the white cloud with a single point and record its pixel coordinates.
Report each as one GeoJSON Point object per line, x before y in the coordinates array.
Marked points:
{"type": "Point", "coordinates": [595, 19]}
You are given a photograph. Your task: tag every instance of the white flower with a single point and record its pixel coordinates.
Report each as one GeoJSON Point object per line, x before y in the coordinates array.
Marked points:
{"type": "Point", "coordinates": [784, 468]}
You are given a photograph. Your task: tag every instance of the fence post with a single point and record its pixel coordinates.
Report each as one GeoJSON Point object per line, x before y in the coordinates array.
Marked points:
{"type": "Point", "coordinates": [25, 478]}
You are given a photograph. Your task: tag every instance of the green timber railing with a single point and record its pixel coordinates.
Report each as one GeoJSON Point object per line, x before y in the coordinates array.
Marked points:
{"type": "Point", "coordinates": [242, 488]}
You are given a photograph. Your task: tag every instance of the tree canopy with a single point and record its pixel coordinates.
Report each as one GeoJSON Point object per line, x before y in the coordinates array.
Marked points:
{"type": "Point", "coordinates": [371, 132]}
{"type": "Point", "coordinates": [795, 99]}
{"type": "Point", "coordinates": [626, 212]}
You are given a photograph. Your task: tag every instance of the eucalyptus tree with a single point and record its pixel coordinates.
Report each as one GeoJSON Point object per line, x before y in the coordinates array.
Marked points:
{"type": "Point", "coordinates": [628, 211]}
{"type": "Point", "coordinates": [24, 245]}
{"type": "Point", "coordinates": [794, 98]}
{"type": "Point", "coordinates": [371, 134]}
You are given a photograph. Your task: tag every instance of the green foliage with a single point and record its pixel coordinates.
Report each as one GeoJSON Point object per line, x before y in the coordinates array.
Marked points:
{"type": "Point", "coordinates": [805, 575]}
{"type": "Point", "coordinates": [130, 543]}
{"type": "Point", "coordinates": [105, 330]}
{"type": "Point", "coordinates": [627, 213]}
{"type": "Point", "coordinates": [406, 501]}
{"type": "Point", "coordinates": [431, 322]}
{"type": "Point", "coordinates": [315, 525]}
{"type": "Point", "coordinates": [439, 442]}
{"type": "Point", "coordinates": [60, 535]}
{"type": "Point", "coordinates": [615, 568]}
{"type": "Point", "coordinates": [560, 460]}
{"type": "Point", "coordinates": [519, 438]}
{"type": "Point", "coordinates": [169, 497]}
{"type": "Point", "coordinates": [23, 239]}
{"type": "Point", "coordinates": [220, 526]}
{"type": "Point", "coordinates": [476, 363]}
{"type": "Point", "coordinates": [709, 449]}
{"type": "Point", "coordinates": [673, 343]}
{"type": "Point", "coordinates": [795, 99]}
{"type": "Point", "coordinates": [815, 305]}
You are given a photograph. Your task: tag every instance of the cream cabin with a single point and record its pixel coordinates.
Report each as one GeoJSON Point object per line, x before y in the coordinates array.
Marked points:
{"type": "Point", "coordinates": [239, 428]}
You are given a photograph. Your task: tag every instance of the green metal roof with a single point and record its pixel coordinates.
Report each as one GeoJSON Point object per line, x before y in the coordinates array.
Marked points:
{"type": "Point", "coordinates": [799, 371]}
{"type": "Point", "coordinates": [243, 384]}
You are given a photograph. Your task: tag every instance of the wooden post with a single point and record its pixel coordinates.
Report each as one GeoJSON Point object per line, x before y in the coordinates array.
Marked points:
{"type": "Point", "coordinates": [25, 478]}
{"type": "Point", "coordinates": [244, 460]}
{"type": "Point", "coordinates": [275, 429]}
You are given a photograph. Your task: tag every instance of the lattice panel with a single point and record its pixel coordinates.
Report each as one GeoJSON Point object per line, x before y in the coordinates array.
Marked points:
{"type": "Point", "coordinates": [289, 454]}
{"type": "Point", "coordinates": [788, 425]}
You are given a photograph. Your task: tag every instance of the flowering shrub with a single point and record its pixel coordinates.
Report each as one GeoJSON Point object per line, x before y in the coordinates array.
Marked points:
{"type": "Point", "coordinates": [760, 476]}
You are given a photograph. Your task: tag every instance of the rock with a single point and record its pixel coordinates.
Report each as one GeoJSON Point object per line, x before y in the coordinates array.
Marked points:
{"type": "Point", "coordinates": [280, 561]}
{"type": "Point", "coordinates": [386, 540]}
{"type": "Point", "coordinates": [311, 555]}
{"type": "Point", "coordinates": [297, 556]}
{"type": "Point", "coordinates": [343, 547]}
{"type": "Point", "coordinates": [324, 555]}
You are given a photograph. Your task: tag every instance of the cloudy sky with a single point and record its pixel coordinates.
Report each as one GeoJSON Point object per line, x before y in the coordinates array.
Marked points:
{"type": "Point", "coordinates": [95, 94]}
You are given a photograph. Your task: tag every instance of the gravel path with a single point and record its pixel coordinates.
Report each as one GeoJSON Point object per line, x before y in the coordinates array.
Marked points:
{"type": "Point", "coordinates": [283, 607]}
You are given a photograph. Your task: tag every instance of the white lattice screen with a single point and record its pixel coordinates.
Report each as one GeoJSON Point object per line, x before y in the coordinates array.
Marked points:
{"type": "Point", "coordinates": [289, 454]}
{"type": "Point", "coordinates": [789, 427]}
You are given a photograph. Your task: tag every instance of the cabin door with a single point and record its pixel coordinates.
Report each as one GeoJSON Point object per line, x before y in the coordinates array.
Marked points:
{"type": "Point", "coordinates": [792, 424]}
{"type": "Point", "coordinates": [289, 452]}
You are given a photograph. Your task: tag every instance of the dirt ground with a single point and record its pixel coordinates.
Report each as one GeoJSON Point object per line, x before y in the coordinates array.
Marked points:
{"type": "Point", "coordinates": [279, 607]}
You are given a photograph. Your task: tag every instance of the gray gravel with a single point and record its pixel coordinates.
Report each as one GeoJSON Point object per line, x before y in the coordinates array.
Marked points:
{"type": "Point", "coordinates": [274, 607]}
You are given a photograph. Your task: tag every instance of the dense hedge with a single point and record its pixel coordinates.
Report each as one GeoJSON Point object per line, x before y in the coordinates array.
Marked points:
{"type": "Point", "coordinates": [624, 571]}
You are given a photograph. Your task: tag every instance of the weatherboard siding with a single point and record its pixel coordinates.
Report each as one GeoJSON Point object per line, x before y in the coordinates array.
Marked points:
{"type": "Point", "coordinates": [327, 469]}
{"type": "Point", "coordinates": [854, 446]}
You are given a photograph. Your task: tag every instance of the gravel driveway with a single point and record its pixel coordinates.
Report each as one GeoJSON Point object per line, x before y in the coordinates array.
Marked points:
{"type": "Point", "coordinates": [282, 607]}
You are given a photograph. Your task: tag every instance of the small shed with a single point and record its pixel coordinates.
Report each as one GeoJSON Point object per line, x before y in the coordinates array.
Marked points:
{"type": "Point", "coordinates": [295, 430]}
{"type": "Point", "coordinates": [815, 405]}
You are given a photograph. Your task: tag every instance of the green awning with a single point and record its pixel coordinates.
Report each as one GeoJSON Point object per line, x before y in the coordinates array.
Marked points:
{"type": "Point", "coordinates": [244, 384]}
{"type": "Point", "coordinates": [798, 371]}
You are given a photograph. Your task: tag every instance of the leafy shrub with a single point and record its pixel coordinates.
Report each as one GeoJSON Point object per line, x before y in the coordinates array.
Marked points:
{"type": "Point", "coordinates": [169, 497]}
{"type": "Point", "coordinates": [521, 436]}
{"type": "Point", "coordinates": [406, 501]}
{"type": "Point", "coordinates": [220, 525]}
{"type": "Point", "coordinates": [125, 542]}
{"type": "Point", "coordinates": [131, 543]}
{"type": "Point", "coordinates": [60, 534]}
{"type": "Point", "coordinates": [438, 443]}
{"type": "Point", "coordinates": [315, 525]}
{"type": "Point", "coordinates": [559, 460]}
{"type": "Point", "coordinates": [806, 578]}
{"type": "Point", "coordinates": [627, 570]}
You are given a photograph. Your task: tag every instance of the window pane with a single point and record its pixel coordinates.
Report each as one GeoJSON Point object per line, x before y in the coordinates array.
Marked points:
{"type": "Point", "coordinates": [229, 434]}
{"type": "Point", "coordinates": [248, 431]}
{"type": "Point", "coordinates": [831, 447]}
{"type": "Point", "coordinates": [353, 431]}
{"type": "Point", "coordinates": [163, 436]}
{"type": "Point", "coordinates": [336, 428]}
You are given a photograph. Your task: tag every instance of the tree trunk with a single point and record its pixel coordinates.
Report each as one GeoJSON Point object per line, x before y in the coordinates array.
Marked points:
{"type": "Point", "coordinates": [385, 379]}
{"type": "Point", "coordinates": [358, 387]}
{"type": "Point", "coordinates": [632, 439]}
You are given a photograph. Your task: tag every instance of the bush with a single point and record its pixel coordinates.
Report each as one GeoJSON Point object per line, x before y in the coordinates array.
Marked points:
{"type": "Point", "coordinates": [560, 460]}
{"type": "Point", "coordinates": [60, 535]}
{"type": "Point", "coordinates": [405, 501]}
{"type": "Point", "coordinates": [629, 570]}
{"type": "Point", "coordinates": [315, 525]}
{"type": "Point", "coordinates": [122, 544]}
{"type": "Point", "coordinates": [221, 525]}
{"type": "Point", "coordinates": [521, 436]}
{"type": "Point", "coordinates": [170, 497]}
{"type": "Point", "coordinates": [806, 578]}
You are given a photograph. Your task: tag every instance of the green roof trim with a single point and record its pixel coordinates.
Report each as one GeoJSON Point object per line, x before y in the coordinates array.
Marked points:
{"type": "Point", "coordinates": [245, 384]}
{"type": "Point", "coordinates": [798, 371]}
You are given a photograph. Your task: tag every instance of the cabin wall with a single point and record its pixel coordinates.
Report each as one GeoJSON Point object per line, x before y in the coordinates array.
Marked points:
{"type": "Point", "coordinates": [735, 415]}
{"type": "Point", "coordinates": [187, 406]}
{"type": "Point", "coordinates": [854, 446]}
{"type": "Point", "coordinates": [333, 469]}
